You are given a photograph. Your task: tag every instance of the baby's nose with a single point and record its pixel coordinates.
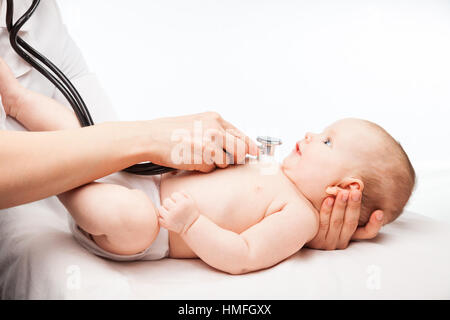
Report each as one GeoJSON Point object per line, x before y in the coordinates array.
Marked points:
{"type": "Point", "coordinates": [308, 137]}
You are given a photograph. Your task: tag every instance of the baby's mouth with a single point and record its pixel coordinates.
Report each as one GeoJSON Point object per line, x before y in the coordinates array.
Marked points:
{"type": "Point", "coordinates": [297, 148]}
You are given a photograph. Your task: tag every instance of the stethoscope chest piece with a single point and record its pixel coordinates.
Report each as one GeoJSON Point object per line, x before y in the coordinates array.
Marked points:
{"type": "Point", "coordinates": [267, 147]}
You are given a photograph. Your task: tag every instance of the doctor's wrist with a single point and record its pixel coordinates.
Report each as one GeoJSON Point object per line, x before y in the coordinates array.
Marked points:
{"type": "Point", "coordinates": [128, 140]}
{"type": "Point", "coordinates": [147, 142]}
{"type": "Point", "coordinates": [154, 142]}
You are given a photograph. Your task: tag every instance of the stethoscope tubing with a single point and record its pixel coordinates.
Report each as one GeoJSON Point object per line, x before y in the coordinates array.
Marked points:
{"type": "Point", "coordinates": [25, 51]}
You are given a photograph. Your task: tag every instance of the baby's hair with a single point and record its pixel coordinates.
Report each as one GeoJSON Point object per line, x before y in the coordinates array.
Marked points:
{"type": "Point", "coordinates": [388, 180]}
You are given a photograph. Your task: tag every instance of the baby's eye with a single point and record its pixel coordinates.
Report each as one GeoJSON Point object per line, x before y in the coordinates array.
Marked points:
{"type": "Point", "coordinates": [327, 141]}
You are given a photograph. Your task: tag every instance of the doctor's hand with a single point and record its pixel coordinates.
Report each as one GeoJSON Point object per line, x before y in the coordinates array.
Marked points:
{"type": "Point", "coordinates": [197, 142]}
{"type": "Point", "coordinates": [339, 222]}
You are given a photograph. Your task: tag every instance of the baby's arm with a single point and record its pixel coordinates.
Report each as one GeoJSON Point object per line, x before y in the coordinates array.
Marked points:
{"type": "Point", "coordinates": [34, 111]}
{"type": "Point", "coordinates": [270, 241]}
{"type": "Point", "coordinates": [37, 112]}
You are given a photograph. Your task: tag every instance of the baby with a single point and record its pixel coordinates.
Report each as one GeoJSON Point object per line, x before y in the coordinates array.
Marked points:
{"type": "Point", "coordinates": [238, 219]}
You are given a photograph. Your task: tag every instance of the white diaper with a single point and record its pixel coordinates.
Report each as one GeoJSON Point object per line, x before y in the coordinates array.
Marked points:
{"type": "Point", "coordinates": [150, 185]}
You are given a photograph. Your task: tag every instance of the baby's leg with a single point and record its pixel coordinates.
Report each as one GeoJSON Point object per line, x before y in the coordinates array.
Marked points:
{"type": "Point", "coordinates": [34, 111]}
{"type": "Point", "coordinates": [120, 220]}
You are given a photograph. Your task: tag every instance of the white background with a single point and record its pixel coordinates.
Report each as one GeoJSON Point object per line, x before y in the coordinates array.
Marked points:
{"type": "Point", "coordinates": [282, 68]}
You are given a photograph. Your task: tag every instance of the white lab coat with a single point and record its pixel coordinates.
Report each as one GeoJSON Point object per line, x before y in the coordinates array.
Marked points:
{"type": "Point", "coordinates": [46, 32]}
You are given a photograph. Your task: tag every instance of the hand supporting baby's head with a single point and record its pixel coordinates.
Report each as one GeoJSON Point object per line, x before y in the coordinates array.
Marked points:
{"type": "Point", "coordinates": [388, 176]}
{"type": "Point", "coordinates": [353, 153]}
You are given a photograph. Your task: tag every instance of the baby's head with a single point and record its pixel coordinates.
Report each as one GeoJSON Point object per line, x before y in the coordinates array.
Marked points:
{"type": "Point", "coordinates": [353, 153]}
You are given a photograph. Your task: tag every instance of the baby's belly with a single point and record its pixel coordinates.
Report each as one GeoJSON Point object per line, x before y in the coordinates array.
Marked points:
{"type": "Point", "coordinates": [235, 198]}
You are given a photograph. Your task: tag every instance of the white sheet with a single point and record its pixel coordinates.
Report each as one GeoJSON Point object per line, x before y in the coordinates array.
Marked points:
{"type": "Point", "coordinates": [39, 259]}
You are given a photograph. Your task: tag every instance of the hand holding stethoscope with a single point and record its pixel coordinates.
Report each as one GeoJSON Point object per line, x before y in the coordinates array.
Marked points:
{"type": "Point", "coordinates": [163, 162]}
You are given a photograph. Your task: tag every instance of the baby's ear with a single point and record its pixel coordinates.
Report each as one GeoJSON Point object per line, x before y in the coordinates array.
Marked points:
{"type": "Point", "coordinates": [347, 183]}
{"type": "Point", "coordinates": [352, 184]}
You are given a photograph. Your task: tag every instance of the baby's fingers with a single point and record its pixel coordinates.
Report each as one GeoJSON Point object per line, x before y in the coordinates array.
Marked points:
{"type": "Point", "coordinates": [163, 224]}
{"type": "Point", "coordinates": [162, 212]}
{"type": "Point", "coordinates": [185, 194]}
{"type": "Point", "coordinates": [162, 217]}
{"type": "Point", "coordinates": [177, 196]}
{"type": "Point", "coordinates": [168, 203]}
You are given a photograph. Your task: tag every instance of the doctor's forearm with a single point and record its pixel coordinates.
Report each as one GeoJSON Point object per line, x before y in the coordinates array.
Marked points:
{"type": "Point", "coordinates": [36, 165]}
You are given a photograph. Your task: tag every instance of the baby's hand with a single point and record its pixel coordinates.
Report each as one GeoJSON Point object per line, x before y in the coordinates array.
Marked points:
{"type": "Point", "coordinates": [178, 212]}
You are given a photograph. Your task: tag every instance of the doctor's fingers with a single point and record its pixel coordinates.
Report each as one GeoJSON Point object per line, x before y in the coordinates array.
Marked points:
{"type": "Point", "coordinates": [251, 146]}
{"type": "Point", "coordinates": [234, 146]}
{"type": "Point", "coordinates": [215, 155]}
{"type": "Point", "coordinates": [351, 218]}
{"type": "Point", "coordinates": [336, 221]}
{"type": "Point", "coordinates": [324, 223]}
{"type": "Point", "coordinates": [372, 227]}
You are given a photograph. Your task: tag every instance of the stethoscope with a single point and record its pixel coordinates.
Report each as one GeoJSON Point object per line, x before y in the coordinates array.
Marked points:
{"type": "Point", "coordinates": [57, 77]}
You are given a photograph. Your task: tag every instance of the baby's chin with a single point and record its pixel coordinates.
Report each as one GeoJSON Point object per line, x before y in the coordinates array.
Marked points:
{"type": "Point", "coordinates": [288, 166]}
{"type": "Point", "coordinates": [289, 160]}
{"type": "Point", "coordinates": [284, 163]}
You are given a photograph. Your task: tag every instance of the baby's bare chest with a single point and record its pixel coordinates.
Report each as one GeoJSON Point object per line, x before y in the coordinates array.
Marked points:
{"type": "Point", "coordinates": [234, 198]}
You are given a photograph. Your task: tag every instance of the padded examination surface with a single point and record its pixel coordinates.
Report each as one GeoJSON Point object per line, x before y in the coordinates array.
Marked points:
{"type": "Point", "coordinates": [39, 259]}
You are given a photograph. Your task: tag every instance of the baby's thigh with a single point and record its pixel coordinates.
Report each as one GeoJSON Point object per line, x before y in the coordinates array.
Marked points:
{"type": "Point", "coordinates": [135, 227]}
{"type": "Point", "coordinates": [120, 220]}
